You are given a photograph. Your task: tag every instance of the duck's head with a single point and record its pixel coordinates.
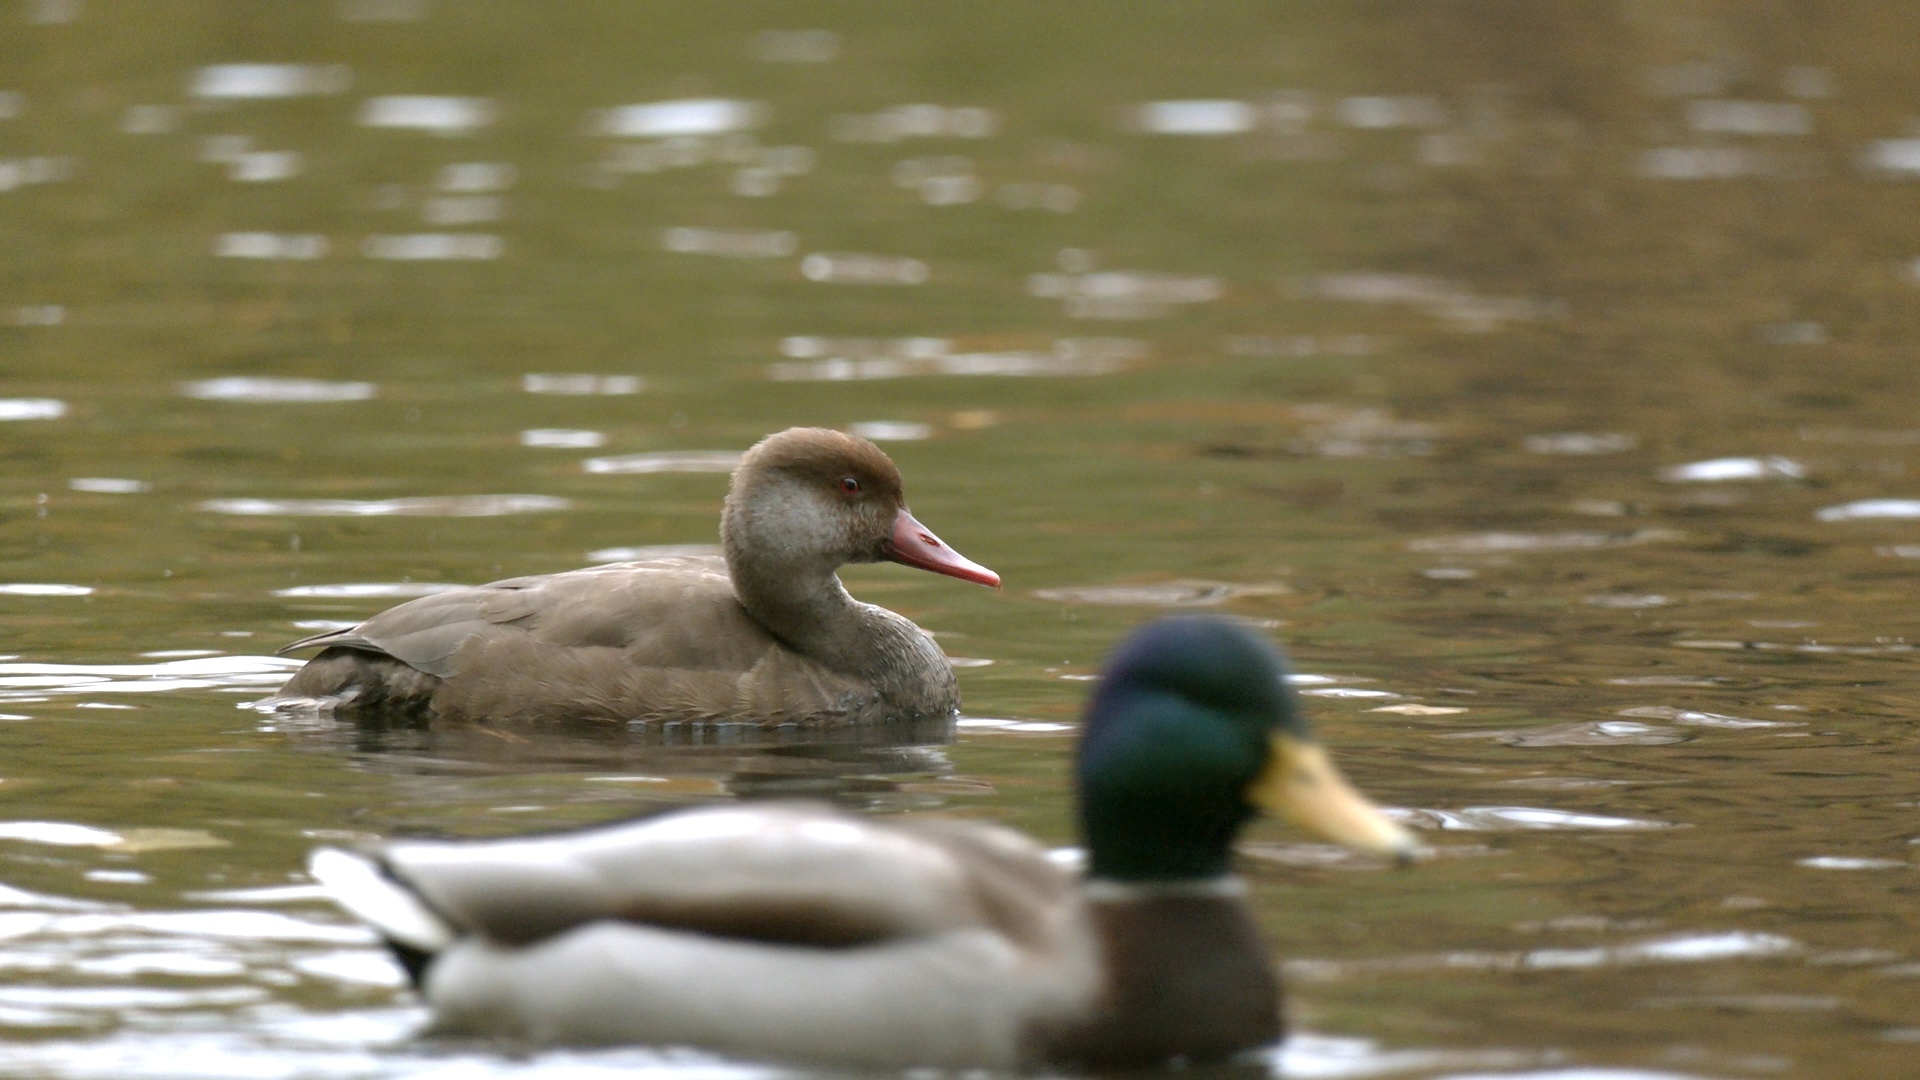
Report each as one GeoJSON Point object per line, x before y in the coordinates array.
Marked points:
{"type": "Point", "coordinates": [811, 499]}
{"type": "Point", "coordinates": [1191, 731]}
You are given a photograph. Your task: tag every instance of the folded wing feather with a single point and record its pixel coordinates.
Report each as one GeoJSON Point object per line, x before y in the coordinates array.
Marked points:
{"type": "Point", "coordinates": [656, 608]}
{"type": "Point", "coordinates": [766, 872]}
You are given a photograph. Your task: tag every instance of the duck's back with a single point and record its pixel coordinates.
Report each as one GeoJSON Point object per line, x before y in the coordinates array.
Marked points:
{"type": "Point", "coordinates": [771, 930]}
{"type": "Point", "coordinates": [660, 640]}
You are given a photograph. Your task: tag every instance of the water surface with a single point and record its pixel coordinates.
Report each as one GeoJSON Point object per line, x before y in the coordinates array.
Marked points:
{"type": "Point", "coordinates": [1538, 374]}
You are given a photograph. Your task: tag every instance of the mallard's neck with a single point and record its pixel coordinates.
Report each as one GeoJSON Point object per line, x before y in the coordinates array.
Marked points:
{"type": "Point", "coordinates": [1185, 975]}
{"type": "Point", "coordinates": [1158, 842]}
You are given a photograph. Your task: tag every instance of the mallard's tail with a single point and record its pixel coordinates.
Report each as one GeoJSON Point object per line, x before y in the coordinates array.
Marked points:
{"type": "Point", "coordinates": [415, 932]}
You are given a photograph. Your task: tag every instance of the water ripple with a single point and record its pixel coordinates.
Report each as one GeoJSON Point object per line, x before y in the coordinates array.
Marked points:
{"type": "Point", "coordinates": [1720, 470]}
{"type": "Point", "coordinates": [1581, 1073]}
{"type": "Point", "coordinates": [1850, 862]}
{"type": "Point", "coordinates": [730, 243]}
{"type": "Point", "coordinates": [665, 461]}
{"type": "Point", "coordinates": [891, 430]}
{"type": "Point", "coordinates": [368, 589]}
{"type": "Point", "coordinates": [1800, 647]}
{"type": "Point", "coordinates": [41, 588]}
{"type": "Point", "coordinates": [32, 408]}
{"type": "Point", "coordinates": [1123, 294]}
{"type": "Point", "coordinates": [653, 551]}
{"type": "Point", "coordinates": [1347, 692]}
{"type": "Point", "coordinates": [856, 268]}
{"type": "Point", "coordinates": [1580, 443]}
{"type": "Point", "coordinates": [1309, 1056]}
{"type": "Point", "coordinates": [109, 485]}
{"type": "Point", "coordinates": [679, 118]}
{"type": "Point", "coordinates": [855, 359]}
{"type": "Point", "coordinates": [259, 82]}
{"type": "Point", "coordinates": [276, 390]}
{"type": "Point", "coordinates": [1502, 543]}
{"type": "Point", "coordinates": [297, 247]}
{"type": "Point", "coordinates": [1694, 718]}
{"type": "Point", "coordinates": [1023, 727]}
{"type": "Point", "coordinates": [582, 385]}
{"type": "Point", "coordinates": [1683, 948]}
{"type": "Point", "coordinates": [1579, 733]}
{"type": "Point", "coordinates": [213, 924]}
{"type": "Point", "coordinates": [925, 121]}
{"type": "Point", "coordinates": [438, 114]}
{"type": "Point", "coordinates": [1627, 601]}
{"type": "Point", "coordinates": [1195, 117]}
{"type": "Point", "coordinates": [58, 833]}
{"type": "Point", "coordinates": [562, 438]}
{"type": "Point", "coordinates": [433, 247]}
{"type": "Point", "coordinates": [1183, 593]}
{"type": "Point", "coordinates": [419, 506]}
{"type": "Point", "coordinates": [1518, 818]}
{"type": "Point", "coordinates": [33, 681]}
{"type": "Point", "coordinates": [1871, 508]}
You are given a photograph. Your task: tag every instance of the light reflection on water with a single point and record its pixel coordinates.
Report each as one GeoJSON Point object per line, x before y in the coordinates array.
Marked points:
{"type": "Point", "coordinates": [670, 461]}
{"type": "Point", "coordinates": [419, 506]}
{"type": "Point", "coordinates": [243, 388]}
{"type": "Point", "coordinates": [358, 590]}
{"type": "Point", "coordinates": [1496, 818]}
{"type": "Point", "coordinates": [32, 409]}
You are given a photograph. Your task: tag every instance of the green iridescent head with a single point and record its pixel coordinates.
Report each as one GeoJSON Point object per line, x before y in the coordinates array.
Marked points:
{"type": "Point", "coordinates": [1193, 730]}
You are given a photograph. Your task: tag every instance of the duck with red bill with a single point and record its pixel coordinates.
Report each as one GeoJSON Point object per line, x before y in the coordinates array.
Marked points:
{"type": "Point", "coordinates": [764, 633]}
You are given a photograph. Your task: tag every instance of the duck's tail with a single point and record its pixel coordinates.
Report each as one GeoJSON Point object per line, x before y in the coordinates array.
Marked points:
{"type": "Point", "coordinates": [411, 929]}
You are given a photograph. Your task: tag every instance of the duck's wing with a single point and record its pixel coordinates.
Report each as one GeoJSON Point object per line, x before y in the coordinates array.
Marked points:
{"type": "Point", "coordinates": [786, 873]}
{"type": "Point", "coordinates": [655, 608]}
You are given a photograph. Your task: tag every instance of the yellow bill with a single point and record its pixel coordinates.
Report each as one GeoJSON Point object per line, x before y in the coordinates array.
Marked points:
{"type": "Point", "coordinates": [1301, 785]}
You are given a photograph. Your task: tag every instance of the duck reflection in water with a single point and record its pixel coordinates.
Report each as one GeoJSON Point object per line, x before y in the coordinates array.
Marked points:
{"type": "Point", "coordinates": [875, 766]}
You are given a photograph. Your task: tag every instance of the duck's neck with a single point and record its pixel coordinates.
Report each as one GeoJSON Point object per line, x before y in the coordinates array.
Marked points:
{"type": "Point", "coordinates": [1186, 974]}
{"type": "Point", "coordinates": [804, 605]}
{"type": "Point", "coordinates": [783, 579]}
{"type": "Point", "coordinates": [811, 612]}
{"type": "Point", "coordinates": [793, 591]}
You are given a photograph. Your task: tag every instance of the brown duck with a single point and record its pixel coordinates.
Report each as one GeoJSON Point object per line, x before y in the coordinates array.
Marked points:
{"type": "Point", "coordinates": [766, 634]}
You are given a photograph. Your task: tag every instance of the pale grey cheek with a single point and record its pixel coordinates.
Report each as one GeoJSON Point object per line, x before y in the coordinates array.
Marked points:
{"type": "Point", "coordinates": [800, 522]}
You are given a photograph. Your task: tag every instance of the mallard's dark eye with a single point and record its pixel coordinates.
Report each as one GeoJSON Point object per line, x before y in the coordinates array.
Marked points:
{"type": "Point", "coordinates": [850, 485]}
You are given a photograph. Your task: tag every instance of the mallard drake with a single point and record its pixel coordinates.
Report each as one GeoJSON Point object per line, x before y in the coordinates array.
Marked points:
{"type": "Point", "coordinates": [796, 932]}
{"type": "Point", "coordinates": [765, 634]}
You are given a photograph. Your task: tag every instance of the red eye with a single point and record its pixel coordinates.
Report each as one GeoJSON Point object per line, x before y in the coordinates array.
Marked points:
{"type": "Point", "coordinates": [849, 485]}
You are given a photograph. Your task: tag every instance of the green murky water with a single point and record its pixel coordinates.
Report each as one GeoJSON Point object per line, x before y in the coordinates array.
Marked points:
{"type": "Point", "coordinates": [1541, 373]}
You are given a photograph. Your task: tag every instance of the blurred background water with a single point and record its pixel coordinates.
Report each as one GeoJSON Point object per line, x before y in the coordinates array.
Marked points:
{"type": "Point", "coordinates": [1540, 374]}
